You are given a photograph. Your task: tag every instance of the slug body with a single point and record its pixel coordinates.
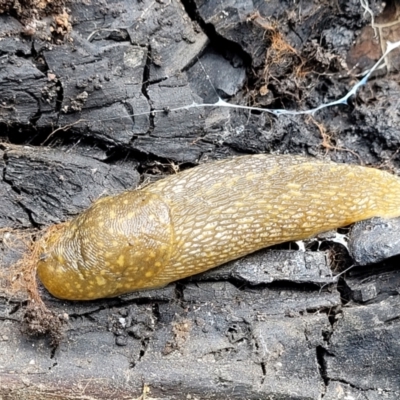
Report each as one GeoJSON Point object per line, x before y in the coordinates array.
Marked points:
{"type": "Point", "coordinates": [201, 218]}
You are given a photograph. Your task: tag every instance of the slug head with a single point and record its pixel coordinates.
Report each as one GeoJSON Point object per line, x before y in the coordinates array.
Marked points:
{"type": "Point", "coordinates": [120, 244]}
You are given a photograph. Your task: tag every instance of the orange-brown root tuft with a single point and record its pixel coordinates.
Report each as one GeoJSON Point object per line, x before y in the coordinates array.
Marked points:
{"type": "Point", "coordinates": [19, 281]}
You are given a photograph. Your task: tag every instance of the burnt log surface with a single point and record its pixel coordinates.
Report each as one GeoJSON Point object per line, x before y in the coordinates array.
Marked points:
{"type": "Point", "coordinates": [87, 99]}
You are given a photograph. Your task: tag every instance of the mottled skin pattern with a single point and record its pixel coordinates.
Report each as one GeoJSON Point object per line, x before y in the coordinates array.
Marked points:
{"type": "Point", "coordinates": [204, 217]}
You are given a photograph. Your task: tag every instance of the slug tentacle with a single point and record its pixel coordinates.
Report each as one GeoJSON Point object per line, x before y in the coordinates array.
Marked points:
{"type": "Point", "coordinates": [206, 216]}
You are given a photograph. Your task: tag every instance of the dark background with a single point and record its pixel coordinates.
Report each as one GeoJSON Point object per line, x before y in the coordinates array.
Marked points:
{"type": "Point", "coordinates": [87, 91]}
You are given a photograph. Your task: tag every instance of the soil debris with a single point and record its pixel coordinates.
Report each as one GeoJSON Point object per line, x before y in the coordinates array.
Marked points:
{"type": "Point", "coordinates": [32, 12]}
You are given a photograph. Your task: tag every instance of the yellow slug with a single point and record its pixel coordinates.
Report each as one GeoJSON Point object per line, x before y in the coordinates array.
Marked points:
{"type": "Point", "coordinates": [201, 218]}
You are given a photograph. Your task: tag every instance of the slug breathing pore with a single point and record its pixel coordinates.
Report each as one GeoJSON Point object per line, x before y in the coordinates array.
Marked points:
{"type": "Point", "coordinates": [203, 217]}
